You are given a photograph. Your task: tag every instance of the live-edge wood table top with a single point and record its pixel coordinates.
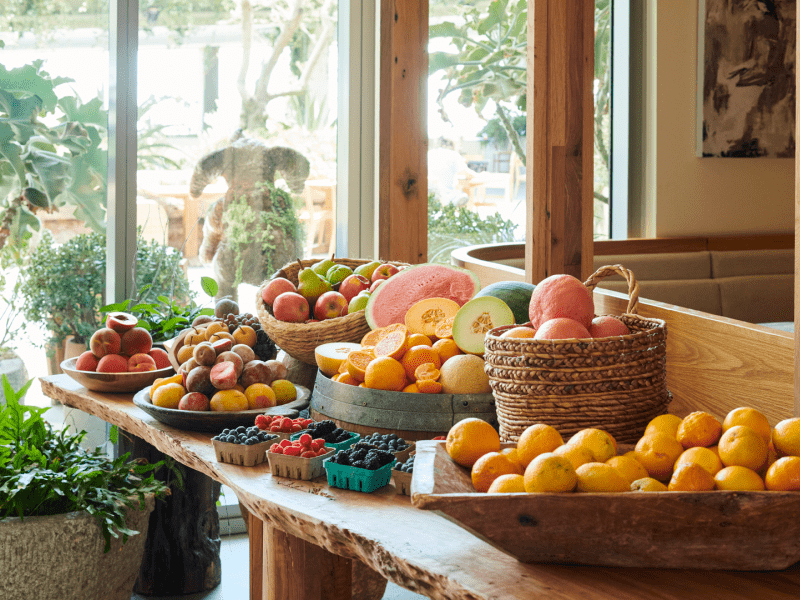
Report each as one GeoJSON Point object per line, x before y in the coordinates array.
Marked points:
{"type": "Point", "coordinates": [417, 549]}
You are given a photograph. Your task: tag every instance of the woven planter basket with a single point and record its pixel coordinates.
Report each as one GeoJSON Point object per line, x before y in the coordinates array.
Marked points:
{"type": "Point", "coordinates": [616, 383]}
{"type": "Point", "coordinates": [299, 340]}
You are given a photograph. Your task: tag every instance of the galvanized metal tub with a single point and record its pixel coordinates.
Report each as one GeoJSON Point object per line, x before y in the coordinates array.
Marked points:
{"type": "Point", "coordinates": [410, 416]}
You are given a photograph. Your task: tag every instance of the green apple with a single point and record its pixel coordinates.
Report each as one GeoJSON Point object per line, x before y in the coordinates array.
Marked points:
{"type": "Point", "coordinates": [368, 269]}
{"type": "Point", "coordinates": [358, 302]}
{"type": "Point", "coordinates": [338, 273]}
{"type": "Point", "coordinates": [321, 267]}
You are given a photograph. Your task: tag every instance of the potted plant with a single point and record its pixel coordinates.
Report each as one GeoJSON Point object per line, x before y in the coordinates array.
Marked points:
{"type": "Point", "coordinates": [75, 519]}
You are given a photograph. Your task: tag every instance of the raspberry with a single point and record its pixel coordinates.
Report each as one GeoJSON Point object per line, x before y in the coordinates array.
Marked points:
{"type": "Point", "coordinates": [285, 443]}
{"type": "Point", "coordinates": [295, 428]}
{"type": "Point", "coordinates": [286, 422]}
{"type": "Point", "coordinates": [308, 454]}
{"type": "Point", "coordinates": [306, 422]}
{"type": "Point", "coordinates": [317, 443]}
{"type": "Point", "coordinates": [274, 428]}
{"type": "Point", "coordinates": [305, 439]}
{"type": "Point", "coordinates": [276, 449]}
{"type": "Point", "coordinates": [263, 421]}
{"type": "Point", "coordinates": [291, 451]}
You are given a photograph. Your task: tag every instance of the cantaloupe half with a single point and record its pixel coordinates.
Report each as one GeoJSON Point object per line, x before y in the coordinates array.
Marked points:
{"type": "Point", "coordinates": [475, 319]}
{"type": "Point", "coordinates": [424, 316]}
{"type": "Point", "coordinates": [330, 356]}
{"type": "Point", "coordinates": [391, 300]}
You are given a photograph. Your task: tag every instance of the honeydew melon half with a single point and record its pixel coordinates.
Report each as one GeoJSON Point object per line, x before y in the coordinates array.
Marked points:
{"type": "Point", "coordinates": [391, 300]}
{"type": "Point", "coordinates": [475, 319]}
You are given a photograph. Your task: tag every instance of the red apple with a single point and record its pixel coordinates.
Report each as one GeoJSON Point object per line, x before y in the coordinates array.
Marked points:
{"type": "Point", "coordinates": [275, 288]}
{"type": "Point", "coordinates": [375, 285]}
{"type": "Point", "coordinates": [290, 307]}
{"type": "Point", "coordinates": [384, 272]}
{"type": "Point", "coordinates": [121, 321]}
{"type": "Point", "coordinates": [330, 305]}
{"type": "Point", "coordinates": [353, 285]}
{"type": "Point", "coordinates": [141, 362]}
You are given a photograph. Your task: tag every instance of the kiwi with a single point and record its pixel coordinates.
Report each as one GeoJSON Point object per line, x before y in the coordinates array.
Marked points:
{"type": "Point", "coordinates": [475, 319]}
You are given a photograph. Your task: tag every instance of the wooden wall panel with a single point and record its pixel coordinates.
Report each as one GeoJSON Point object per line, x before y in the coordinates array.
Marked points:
{"type": "Point", "coordinates": [560, 142]}
{"type": "Point", "coordinates": [403, 176]}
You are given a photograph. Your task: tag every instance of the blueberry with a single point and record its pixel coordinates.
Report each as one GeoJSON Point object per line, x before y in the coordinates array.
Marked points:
{"type": "Point", "coordinates": [241, 429]}
{"type": "Point", "coordinates": [231, 439]}
{"type": "Point", "coordinates": [225, 432]}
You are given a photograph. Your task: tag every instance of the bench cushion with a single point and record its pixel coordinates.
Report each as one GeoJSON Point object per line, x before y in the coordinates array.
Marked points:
{"type": "Point", "coordinates": [697, 294]}
{"type": "Point", "coordinates": [735, 263]}
{"type": "Point", "coordinates": [669, 266]}
{"type": "Point", "coordinates": [757, 298]}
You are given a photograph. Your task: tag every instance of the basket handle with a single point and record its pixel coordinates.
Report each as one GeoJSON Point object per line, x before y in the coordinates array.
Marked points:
{"type": "Point", "coordinates": [633, 285]}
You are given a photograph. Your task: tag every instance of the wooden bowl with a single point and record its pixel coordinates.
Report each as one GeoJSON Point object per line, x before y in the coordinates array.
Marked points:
{"type": "Point", "coordinates": [113, 382]}
{"type": "Point", "coordinates": [216, 421]}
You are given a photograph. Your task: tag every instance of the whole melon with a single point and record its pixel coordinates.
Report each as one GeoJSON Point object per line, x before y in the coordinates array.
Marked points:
{"type": "Point", "coordinates": [391, 300]}
{"type": "Point", "coordinates": [561, 296]}
{"type": "Point", "coordinates": [464, 374]}
{"type": "Point", "coordinates": [516, 294]}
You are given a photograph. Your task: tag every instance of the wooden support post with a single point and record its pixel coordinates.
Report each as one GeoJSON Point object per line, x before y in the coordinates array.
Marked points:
{"type": "Point", "coordinates": [403, 147]}
{"type": "Point", "coordinates": [560, 138]}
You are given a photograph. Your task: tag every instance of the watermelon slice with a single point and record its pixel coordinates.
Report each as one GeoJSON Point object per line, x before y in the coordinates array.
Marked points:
{"type": "Point", "coordinates": [388, 304]}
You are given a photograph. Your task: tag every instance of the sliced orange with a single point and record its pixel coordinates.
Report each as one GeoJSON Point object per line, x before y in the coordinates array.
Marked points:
{"type": "Point", "coordinates": [393, 345]}
{"type": "Point", "coordinates": [376, 335]}
{"type": "Point", "coordinates": [429, 386]}
{"type": "Point", "coordinates": [343, 366]}
{"type": "Point", "coordinates": [419, 355]}
{"type": "Point", "coordinates": [444, 330]}
{"type": "Point", "coordinates": [357, 362]}
{"type": "Point", "coordinates": [427, 371]}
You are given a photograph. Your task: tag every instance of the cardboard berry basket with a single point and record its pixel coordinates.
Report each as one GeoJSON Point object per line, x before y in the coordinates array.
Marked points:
{"type": "Point", "coordinates": [241, 454]}
{"type": "Point", "coordinates": [299, 340]}
{"type": "Point", "coordinates": [616, 383]}
{"type": "Point", "coordinates": [297, 467]}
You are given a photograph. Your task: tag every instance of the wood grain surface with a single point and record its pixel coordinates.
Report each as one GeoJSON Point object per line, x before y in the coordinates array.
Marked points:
{"type": "Point", "coordinates": [416, 549]}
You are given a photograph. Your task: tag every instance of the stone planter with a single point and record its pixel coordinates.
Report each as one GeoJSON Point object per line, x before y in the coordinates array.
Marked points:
{"type": "Point", "coordinates": [69, 349]}
{"type": "Point", "coordinates": [11, 366]}
{"type": "Point", "coordinates": [60, 557]}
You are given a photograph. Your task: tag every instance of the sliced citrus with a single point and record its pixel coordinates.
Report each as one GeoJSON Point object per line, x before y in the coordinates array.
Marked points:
{"type": "Point", "coordinates": [427, 371]}
{"type": "Point", "coordinates": [416, 356]}
{"type": "Point", "coordinates": [357, 362]}
{"type": "Point", "coordinates": [429, 386]}
{"type": "Point", "coordinates": [376, 335]}
{"type": "Point", "coordinates": [393, 345]}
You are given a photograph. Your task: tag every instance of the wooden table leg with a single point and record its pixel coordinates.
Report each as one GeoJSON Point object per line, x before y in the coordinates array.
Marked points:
{"type": "Point", "coordinates": [255, 534]}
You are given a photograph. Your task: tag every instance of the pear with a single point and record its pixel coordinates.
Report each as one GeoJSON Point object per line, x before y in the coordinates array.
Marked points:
{"type": "Point", "coordinates": [321, 267]}
{"type": "Point", "coordinates": [358, 302]}
{"type": "Point", "coordinates": [338, 273]}
{"type": "Point", "coordinates": [368, 269]}
{"type": "Point", "coordinates": [311, 286]}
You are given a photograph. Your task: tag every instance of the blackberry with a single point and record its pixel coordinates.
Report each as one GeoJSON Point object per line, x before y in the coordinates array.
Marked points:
{"type": "Point", "coordinates": [358, 464]}
{"type": "Point", "coordinates": [359, 454]}
{"type": "Point", "coordinates": [342, 458]}
{"type": "Point", "coordinates": [373, 463]}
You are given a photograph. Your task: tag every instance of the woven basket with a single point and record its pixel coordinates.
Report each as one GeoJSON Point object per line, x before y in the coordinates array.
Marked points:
{"type": "Point", "coordinates": [616, 383]}
{"type": "Point", "coordinates": [300, 339]}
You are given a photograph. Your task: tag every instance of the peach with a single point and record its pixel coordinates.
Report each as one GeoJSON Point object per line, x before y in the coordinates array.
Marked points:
{"type": "Point", "coordinates": [121, 321]}
{"type": "Point", "coordinates": [561, 329]}
{"type": "Point", "coordinates": [244, 334]}
{"type": "Point", "coordinates": [189, 365]}
{"type": "Point", "coordinates": [228, 400]}
{"type": "Point", "coordinates": [277, 368]}
{"type": "Point", "coordinates": [194, 401]}
{"type": "Point", "coordinates": [561, 296]}
{"type": "Point", "coordinates": [260, 395]}
{"type": "Point", "coordinates": [521, 331]}
{"type": "Point", "coordinates": [607, 326]}
{"type": "Point", "coordinates": [245, 352]}
{"type": "Point", "coordinates": [233, 358]}
{"type": "Point", "coordinates": [86, 362]}
{"type": "Point", "coordinates": [199, 380]}
{"type": "Point", "coordinates": [105, 341]}
{"type": "Point", "coordinates": [141, 362]}
{"type": "Point", "coordinates": [256, 371]}
{"type": "Point", "coordinates": [160, 357]}
{"type": "Point", "coordinates": [222, 345]}
{"type": "Point", "coordinates": [204, 354]}
{"type": "Point", "coordinates": [112, 363]}
{"type": "Point", "coordinates": [223, 375]}
{"type": "Point", "coordinates": [202, 320]}
{"type": "Point", "coordinates": [135, 341]}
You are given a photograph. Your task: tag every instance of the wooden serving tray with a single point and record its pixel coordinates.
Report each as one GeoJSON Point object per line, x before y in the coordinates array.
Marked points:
{"type": "Point", "coordinates": [747, 531]}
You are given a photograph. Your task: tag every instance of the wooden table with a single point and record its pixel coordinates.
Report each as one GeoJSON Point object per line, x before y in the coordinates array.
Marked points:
{"type": "Point", "coordinates": [304, 535]}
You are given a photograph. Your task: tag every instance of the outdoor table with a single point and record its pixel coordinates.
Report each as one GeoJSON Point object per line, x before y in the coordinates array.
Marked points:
{"type": "Point", "coordinates": [304, 534]}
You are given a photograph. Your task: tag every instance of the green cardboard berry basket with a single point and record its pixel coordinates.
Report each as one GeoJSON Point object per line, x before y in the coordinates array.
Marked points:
{"type": "Point", "coordinates": [354, 437]}
{"type": "Point", "coordinates": [357, 479]}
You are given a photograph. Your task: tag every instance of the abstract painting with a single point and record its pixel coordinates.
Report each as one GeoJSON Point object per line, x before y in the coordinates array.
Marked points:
{"type": "Point", "coordinates": [746, 87]}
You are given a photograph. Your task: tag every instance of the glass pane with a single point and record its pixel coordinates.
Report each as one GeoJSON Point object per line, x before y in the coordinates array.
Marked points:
{"type": "Point", "coordinates": [476, 156]}
{"type": "Point", "coordinates": [602, 119]}
{"type": "Point", "coordinates": [54, 63]}
{"type": "Point", "coordinates": [237, 137]}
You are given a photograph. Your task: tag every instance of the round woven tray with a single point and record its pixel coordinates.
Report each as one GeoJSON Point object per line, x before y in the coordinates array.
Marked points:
{"type": "Point", "coordinates": [300, 339]}
{"type": "Point", "coordinates": [615, 383]}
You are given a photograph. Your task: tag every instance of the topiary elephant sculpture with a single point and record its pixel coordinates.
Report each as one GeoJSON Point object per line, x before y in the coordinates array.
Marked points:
{"type": "Point", "coordinates": [253, 229]}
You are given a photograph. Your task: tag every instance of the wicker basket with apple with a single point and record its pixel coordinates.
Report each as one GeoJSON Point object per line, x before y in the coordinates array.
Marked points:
{"type": "Point", "coordinates": [307, 303]}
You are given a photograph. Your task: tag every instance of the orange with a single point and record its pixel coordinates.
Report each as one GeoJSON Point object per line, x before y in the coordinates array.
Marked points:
{"type": "Point", "coordinates": [411, 388]}
{"type": "Point", "coordinates": [600, 443]}
{"type": "Point", "coordinates": [784, 474]}
{"type": "Point", "coordinates": [699, 429]}
{"type": "Point", "coordinates": [648, 484]}
{"type": "Point", "coordinates": [600, 477]}
{"type": "Point", "coordinates": [357, 361]}
{"type": "Point", "coordinates": [772, 456]}
{"type": "Point", "coordinates": [169, 395]}
{"type": "Point", "coordinates": [786, 437]}
{"type": "Point", "coordinates": [444, 330]}
{"type": "Point", "coordinates": [704, 457]}
{"type": "Point", "coordinates": [754, 419]}
{"type": "Point", "coordinates": [658, 453]}
{"type": "Point", "coordinates": [469, 439]}
{"type": "Point", "coordinates": [228, 400]}
{"type": "Point", "coordinates": [742, 446]}
{"type": "Point", "coordinates": [577, 455]}
{"type": "Point", "coordinates": [535, 440]}
{"type": "Point", "coordinates": [738, 478]}
{"type": "Point", "coordinates": [510, 483]}
{"type": "Point", "coordinates": [416, 356]}
{"type": "Point", "coordinates": [489, 467]}
{"type": "Point", "coordinates": [665, 424]}
{"type": "Point", "coordinates": [511, 454]}
{"type": "Point", "coordinates": [256, 391]}
{"type": "Point", "coordinates": [549, 472]}
{"type": "Point", "coordinates": [429, 386]}
{"type": "Point", "coordinates": [347, 379]}
{"type": "Point", "coordinates": [630, 468]}
{"type": "Point", "coordinates": [446, 348]}
{"type": "Point", "coordinates": [691, 477]}
{"type": "Point", "coordinates": [385, 373]}
{"type": "Point", "coordinates": [419, 339]}
{"type": "Point", "coordinates": [427, 371]}
{"type": "Point", "coordinates": [393, 345]}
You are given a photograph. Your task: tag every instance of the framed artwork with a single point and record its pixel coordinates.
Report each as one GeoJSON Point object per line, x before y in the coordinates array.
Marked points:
{"type": "Point", "coordinates": [746, 84]}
